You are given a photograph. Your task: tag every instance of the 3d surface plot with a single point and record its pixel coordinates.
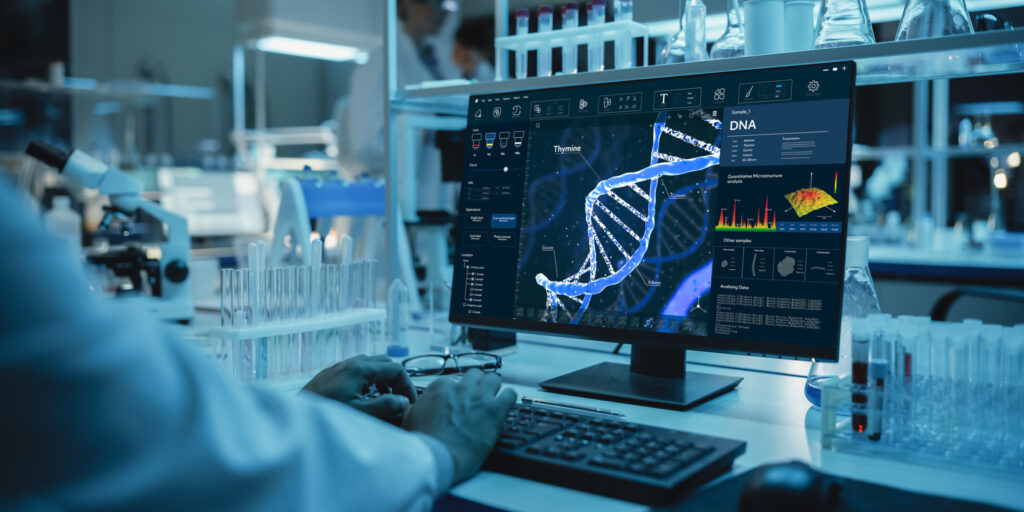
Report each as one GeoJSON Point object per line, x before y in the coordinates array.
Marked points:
{"type": "Point", "coordinates": [807, 200]}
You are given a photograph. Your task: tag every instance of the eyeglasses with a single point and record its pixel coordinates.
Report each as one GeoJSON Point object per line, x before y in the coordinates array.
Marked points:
{"type": "Point", "coordinates": [437, 364]}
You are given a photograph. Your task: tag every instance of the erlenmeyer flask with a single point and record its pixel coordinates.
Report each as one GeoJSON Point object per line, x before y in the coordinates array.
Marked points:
{"type": "Point", "coordinates": [732, 40]}
{"type": "Point", "coordinates": [843, 23]}
{"type": "Point", "coordinates": [675, 50]}
{"type": "Point", "coordinates": [933, 18]}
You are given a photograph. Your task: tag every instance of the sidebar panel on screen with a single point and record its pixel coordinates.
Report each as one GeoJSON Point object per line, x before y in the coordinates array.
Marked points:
{"type": "Point", "coordinates": [490, 203]}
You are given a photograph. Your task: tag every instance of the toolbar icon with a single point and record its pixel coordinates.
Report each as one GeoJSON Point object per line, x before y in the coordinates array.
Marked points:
{"type": "Point", "coordinates": [503, 140]}
{"type": "Point", "coordinates": [479, 113]}
{"type": "Point", "coordinates": [813, 86]}
{"type": "Point", "coordinates": [517, 110]}
{"type": "Point", "coordinates": [489, 139]}
{"type": "Point", "coordinates": [497, 112]}
{"type": "Point", "coordinates": [719, 94]}
{"type": "Point", "coordinates": [584, 104]}
{"type": "Point", "coordinates": [476, 137]}
{"type": "Point", "coordinates": [517, 138]}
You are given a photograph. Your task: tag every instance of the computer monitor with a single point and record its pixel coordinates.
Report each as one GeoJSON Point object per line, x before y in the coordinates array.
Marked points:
{"type": "Point", "coordinates": [702, 212]}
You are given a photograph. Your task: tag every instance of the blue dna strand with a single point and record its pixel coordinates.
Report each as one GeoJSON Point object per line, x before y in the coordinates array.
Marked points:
{"type": "Point", "coordinates": [635, 193]}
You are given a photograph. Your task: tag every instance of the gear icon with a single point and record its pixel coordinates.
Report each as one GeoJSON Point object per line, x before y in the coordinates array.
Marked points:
{"type": "Point", "coordinates": [813, 86]}
{"type": "Point", "coordinates": [719, 94]}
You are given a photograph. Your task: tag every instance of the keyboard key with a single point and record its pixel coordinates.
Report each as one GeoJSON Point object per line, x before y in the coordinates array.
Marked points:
{"type": "Point", "coordinates": [664, 469]}
{"type": "Point", "coordinates": [556, 415]}
{"type": "Point", "coordinates": [573, 417]}
{"type": "Point", "coordinates": [542, 429]}
{"type": "Point", "coordinates": [551, 452]}
{"type": "Point", "coordinates": [540, 412]}
{"type": "Point", "coordinates": [571, 455]}
{"type": "Point", "coordinates": [636, 467]}
{"type": "Point", "coordinates": [649, 461]}
{"type": "Point", "coordinates": [606, 462]}
{"type": "Point", "coordinates": [532, 449]}
{"type": "Point", "coordinates": [632, 427]}
{"type": "Point", "coordinates": [509, 444]}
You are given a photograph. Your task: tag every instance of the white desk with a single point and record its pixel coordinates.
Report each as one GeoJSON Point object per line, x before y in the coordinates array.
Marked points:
{"type": "Point", "coordinates": [768, 411]}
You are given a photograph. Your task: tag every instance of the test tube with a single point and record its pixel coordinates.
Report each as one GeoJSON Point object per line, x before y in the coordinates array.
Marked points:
{"type": "Point", "coordinates": [545, 23]}
{"type": "Point", "coordinates": [570, 20]}
{"type": "Point", "coordinates": [861, 340]}
{"type": "Point", "coordinates": [242, 353]}
{"type": "Point", "coordinates": [522, 27]}
{"type": "Point", "coordinates": [877, 372]}
{"type": "Point", "coordinates": [595, 43]}
{"type": "Point", "coordinates": [624, 50]}
{"type": "Point", "coordinates": [289, 301]}
{"type": "Point", "coordinates": [623, 10]}
{"type": "Point", "coordinates": [398, 319]}
{"type": "Point", "coordinates": [225, 297]}
{"type": "Point", "coordinates": [304, 289]}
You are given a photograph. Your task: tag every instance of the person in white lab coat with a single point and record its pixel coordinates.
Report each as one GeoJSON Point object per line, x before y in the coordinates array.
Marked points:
{"type": "Point", "coordinates": [105, 409]}
{"type": "Point", "coordinates": [423, 48]}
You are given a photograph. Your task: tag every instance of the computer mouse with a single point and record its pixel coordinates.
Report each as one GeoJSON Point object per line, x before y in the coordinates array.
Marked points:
{"type": "Point", "coordinates": [790, 486]}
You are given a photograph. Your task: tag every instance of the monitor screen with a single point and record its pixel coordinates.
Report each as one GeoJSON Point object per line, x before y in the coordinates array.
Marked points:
{"type": "Point", "coordinates": [705, 212]}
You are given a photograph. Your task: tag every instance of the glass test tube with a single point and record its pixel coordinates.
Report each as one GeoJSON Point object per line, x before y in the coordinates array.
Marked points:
{"type": "Point", "coordinates": [860, 349]}
{"type": "Point", "coordinates": [595, 43]}
{"type": "Point", "coordinates": [570, 20]}
{"type": "Point", "coordinates": [545, 23]}
{"type": "Point", "coordinates": [625, 52]}
{"type": "Point", "coordinates": [877, 372]}
{"type": "Point", "coordinates": [522, 28]}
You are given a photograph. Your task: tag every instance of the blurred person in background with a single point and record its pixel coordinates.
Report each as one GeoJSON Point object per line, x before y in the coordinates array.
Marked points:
{"type": "Point", "coordinates": [474, 49]}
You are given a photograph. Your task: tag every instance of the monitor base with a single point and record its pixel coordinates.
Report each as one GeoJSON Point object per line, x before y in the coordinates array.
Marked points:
{"type": "Point", "coordinates": [622, 383]}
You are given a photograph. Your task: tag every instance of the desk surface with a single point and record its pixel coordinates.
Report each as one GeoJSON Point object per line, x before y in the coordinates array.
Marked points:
{"type": "Point", "coordinates": [768, 411]}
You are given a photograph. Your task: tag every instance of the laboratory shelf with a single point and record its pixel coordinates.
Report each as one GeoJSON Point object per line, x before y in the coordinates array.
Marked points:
{"type": "Point", "coordinates": [968, 55]}
{"type": "Point", "coordinates": [862, 153]}
{"type": "Point", "coordinates": [87, 87]}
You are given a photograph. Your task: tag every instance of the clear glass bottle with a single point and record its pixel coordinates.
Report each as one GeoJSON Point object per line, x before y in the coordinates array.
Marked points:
{"type": "Point", "coordinates": [859, 301]}
{"type": "Point", "coordinates": [933, 18]}
{"type": "Point", "coordinates": [695, 24]}
{"type": "Point", "coordinates": [398, 319]}
{"type": "Point", "coordinates": [843, 23]}
{"type": "Point", "coordinates": [732, 41]}
{"type": "Point", "coordinates": [522, 27]}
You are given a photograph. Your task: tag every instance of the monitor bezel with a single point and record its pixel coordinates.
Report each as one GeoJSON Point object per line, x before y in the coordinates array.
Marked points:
{"type": "Point", "coordinates": [678, 340]}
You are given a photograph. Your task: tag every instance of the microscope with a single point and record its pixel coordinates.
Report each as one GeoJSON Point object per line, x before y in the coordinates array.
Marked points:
{"type": "Point", "coordinates": [145, 245]}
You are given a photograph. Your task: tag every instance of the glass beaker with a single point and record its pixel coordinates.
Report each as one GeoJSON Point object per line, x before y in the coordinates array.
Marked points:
{"type": "Point", "coordinates": [732, 41]}
{"type": "Point", "coordinates": [843, 23]}
{"type": "Point", "coordinates": [933, 18]}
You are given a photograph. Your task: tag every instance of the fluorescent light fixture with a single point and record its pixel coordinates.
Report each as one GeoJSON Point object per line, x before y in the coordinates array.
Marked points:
{"type": "Point", "coordinates": [312, 49]}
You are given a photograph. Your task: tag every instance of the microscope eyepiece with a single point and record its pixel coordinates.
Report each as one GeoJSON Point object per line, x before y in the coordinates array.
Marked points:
{"type": "Point", "coordinates": [48, 154]}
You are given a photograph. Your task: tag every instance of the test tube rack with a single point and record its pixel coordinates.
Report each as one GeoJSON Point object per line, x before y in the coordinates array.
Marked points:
{"type": "Point", "coordinates": [623, 33]}
{"type": "Point", "coordinates": [934, 417]}
{"type": "Point", "coordinates": [295, 320]}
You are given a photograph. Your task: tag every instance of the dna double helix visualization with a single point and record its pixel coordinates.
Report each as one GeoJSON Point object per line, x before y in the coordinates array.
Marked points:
{"type": "Point", "coordinates": [618, 242]}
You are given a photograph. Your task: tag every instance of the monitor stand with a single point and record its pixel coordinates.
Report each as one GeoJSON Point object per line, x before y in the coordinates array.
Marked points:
{"type": "Point", "coordinates": [655, 376]}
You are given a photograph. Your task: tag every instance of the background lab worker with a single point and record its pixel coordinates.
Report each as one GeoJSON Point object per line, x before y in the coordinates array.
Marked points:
{"type": "Point", "coordinates": [104, 409]}
{"type": "Point", "coordinates": [423, 46]}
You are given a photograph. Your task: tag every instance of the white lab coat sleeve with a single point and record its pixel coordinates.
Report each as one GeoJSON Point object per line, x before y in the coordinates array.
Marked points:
{"type": "Point", "coordinates": [105, 409]}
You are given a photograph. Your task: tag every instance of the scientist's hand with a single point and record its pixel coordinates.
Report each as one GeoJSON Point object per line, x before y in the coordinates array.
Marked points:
{"type": "Point", "coordinates": [349, 381]}
{"type": "Point", "coordinates": [466, 416]}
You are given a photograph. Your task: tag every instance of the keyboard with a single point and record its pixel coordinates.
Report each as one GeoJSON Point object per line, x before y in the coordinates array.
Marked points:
{"type": "Point", "coordinates": [603, 455]}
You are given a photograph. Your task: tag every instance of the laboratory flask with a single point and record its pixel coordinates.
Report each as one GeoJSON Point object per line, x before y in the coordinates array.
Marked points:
{"type": "Point", "coordinates": [689, 44]}
{"type": "Point", "coordinates": [843, 23]}
{"type": "Point", "coordinates": [732, 40]}
{"type": "Point", "coordinates": [859, 301]}
{"type": "Point", "coordinates": [933, 18]}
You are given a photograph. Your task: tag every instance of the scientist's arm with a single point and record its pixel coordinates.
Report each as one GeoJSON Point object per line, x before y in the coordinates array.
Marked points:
{"type": "Point", "coordinates": [103, 409]}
